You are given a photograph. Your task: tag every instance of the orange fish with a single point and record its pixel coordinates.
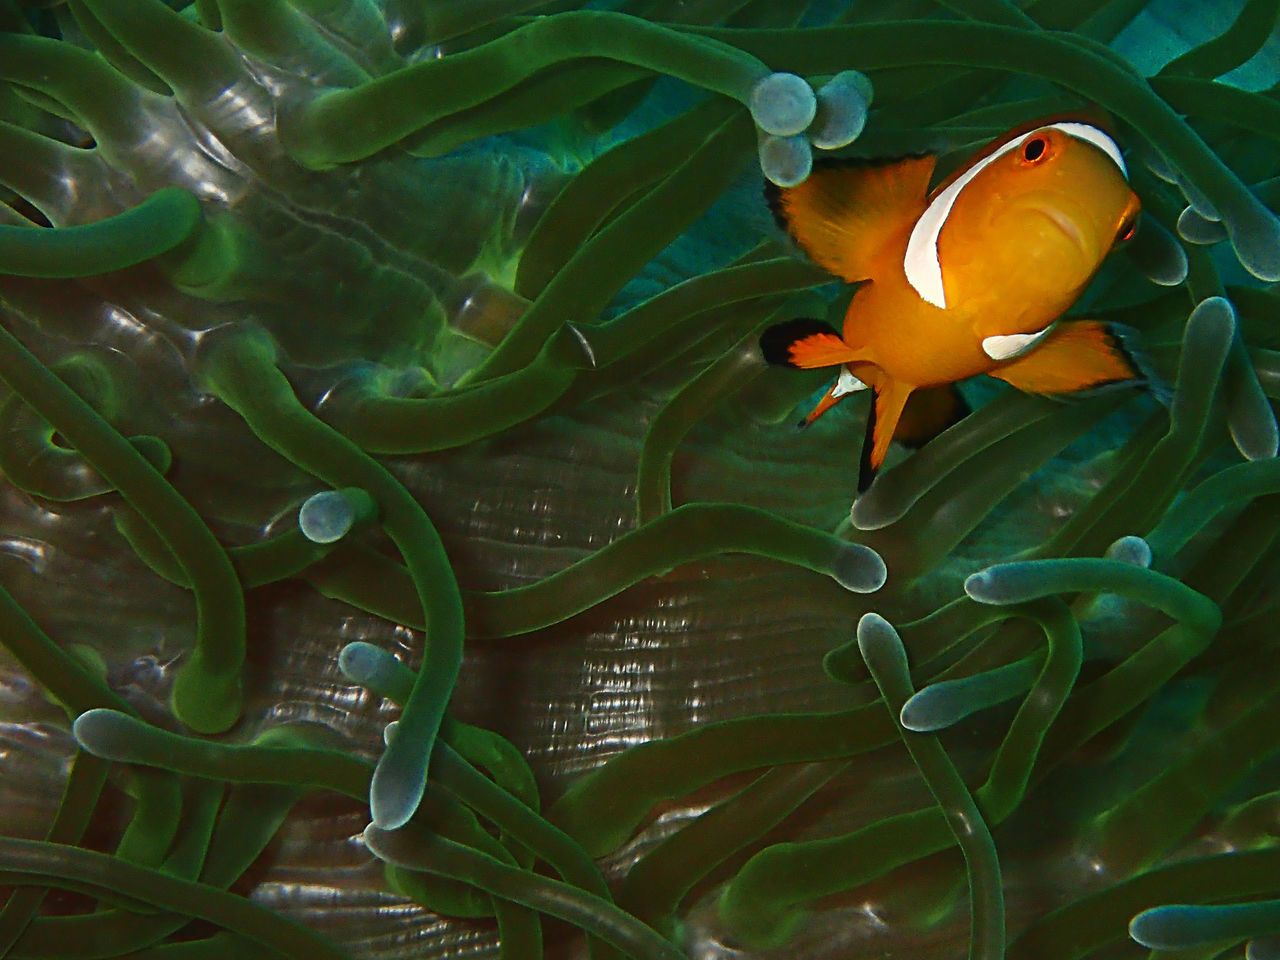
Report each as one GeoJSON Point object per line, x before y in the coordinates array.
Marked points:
{"type": "Point", "coordinates": [969, 278]}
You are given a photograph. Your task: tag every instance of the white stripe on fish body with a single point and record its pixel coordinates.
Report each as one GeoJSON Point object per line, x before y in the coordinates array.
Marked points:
{"type": "Point", "coordinates": [1011, 345]}
{"type": "Point", "coordinates": [921, 263]}
{"type": "Point", "coordinates": [846, 383]}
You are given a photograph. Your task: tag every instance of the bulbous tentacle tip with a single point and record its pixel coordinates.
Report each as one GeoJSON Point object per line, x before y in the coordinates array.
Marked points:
{"type": "Point", "coordinates": [977, 586]}
{"type": "Point", "coordinates": [859, 569]}
{"type": "Point", "coordinates": [206, 701]}
{"type": "Point", "coordinates": [1182, 926]}
{"type": "Point", "coordinates": [1213, 317]}
{"type": "Point", "coordinates": [328, 516]}
{"type": "Point", "coordinates": [843, 102]}
{"type": "Point", "coordinates": [1194, 227]}
{"type": "Point", "coordinates": [361, 662]}
{"type": "Point", "coordinates": [785, 161]}
{"type": "Point", "coordinates": [1132, 550]}
{"type": "Point", "coordinates": [1256, 239]}
{"type": "Point", "coordinates": [1145, 928]}
{"type": "Point", "coordinates": [99, 732]}
{"type": "Point", "coordinates": [999, 584]}
{"type": "Point", "coordinates": [782, 104]}
{"type": "Point", "coordinates": [873, 628]}
{"type": "Point", "coordinates": [1178, 926]}
{"type": "Point", "coordinates": [1255, 433]}
{"type": "Point", "coordinates": [1158, 255]}
{"type": "Point", "coordinates": [866, 512]}
{"type": "Point", "coordinates": [879, 643]}
{"type": "Point", "coordinates": [920, 716]}
{"type": "Point", "coordinates": [396, 791]}
{"type": "Point", "coordinates": [389, 732]}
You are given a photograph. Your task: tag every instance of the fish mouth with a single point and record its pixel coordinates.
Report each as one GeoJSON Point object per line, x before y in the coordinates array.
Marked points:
{"type": "Point", "coordinates": [1064, 222]}
{"type": "Point", "coordinates": [1069, 220]}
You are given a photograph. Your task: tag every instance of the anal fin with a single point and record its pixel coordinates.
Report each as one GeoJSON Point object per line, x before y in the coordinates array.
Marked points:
{"type": "Point", "coordinates": [846, 384]}
{"type": "Point", "coordinates": [1075, 355]}
{"type": "Point", "coordinates": [882, 421]}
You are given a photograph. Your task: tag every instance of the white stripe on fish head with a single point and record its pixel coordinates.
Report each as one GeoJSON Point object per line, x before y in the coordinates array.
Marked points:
{"type": "Point", "coordinates": [921, 263]}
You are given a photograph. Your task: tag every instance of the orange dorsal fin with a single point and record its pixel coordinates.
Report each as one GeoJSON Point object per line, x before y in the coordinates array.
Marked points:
{"type": "Point", "coordinates": [845, 211]}
{"type": "Point", "coordinates": [882, 421]}
{"type": "Point", "coordinates": [1076, 355]}
{"type": "Point", "coordinates": [804, 343]}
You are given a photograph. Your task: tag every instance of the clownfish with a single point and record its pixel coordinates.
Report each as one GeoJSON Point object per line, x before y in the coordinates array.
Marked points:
{"type": "Point", "coordinates": [966, 279]}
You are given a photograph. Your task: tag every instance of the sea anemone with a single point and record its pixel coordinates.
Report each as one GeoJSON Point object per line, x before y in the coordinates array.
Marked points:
{"type": "Point", "coordinates": [387, 450]}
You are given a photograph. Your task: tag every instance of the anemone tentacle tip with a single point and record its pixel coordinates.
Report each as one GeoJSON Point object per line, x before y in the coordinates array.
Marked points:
{"type": "Point", "coordinates": [1256, 437]}
{"type": "Point", "coordinates": [105, 733]}
{"type": "Point", "coordinates": [843, 103]}
{"type": "Point", "coordinates": [326, 517]}
{"type": "Point", "coordinates": [1256, 239]}
{"type": "Point", "coordinates": [977, 586]}
{"type": "Point", "coordinates": [919, 716]}
{"type": "Point", "coordinates": [1130, 549]}
{"type": "Point", "coordinates": [1198, 229]}
{"type": "Point", "coordinates": [871, 625]}
{"type": "Point", "coordinates": [868, 513]}
{"type": "Point", "coordinates": [782, 104]}
{"type": "Point", "coordinates": [394, 797]}
{"type": "Point", "coordinates": [879, 642]}
{"type": "Point", "coordinates": [88, 727]}
{"type": "Point", "coordinates": [1214, 315]}
{"type": "Point", "coordinates": [386, 817]}
{"type": "Point", "coordinates": [1167, 927]}
{"type": "Point", "coordinates": [859, 569]}
{"type": "Point", "coordinates": [785, 161]}
{"type": "Point", "coordinates": [358, 660]}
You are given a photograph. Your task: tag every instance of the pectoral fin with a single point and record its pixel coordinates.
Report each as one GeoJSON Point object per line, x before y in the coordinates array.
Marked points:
{"type": "Point", "coordinates": [804, 343]}
{"type": "Point", "coordinates": [1075, 355]}
{"type": "Point", "coordinates": [882, 421]}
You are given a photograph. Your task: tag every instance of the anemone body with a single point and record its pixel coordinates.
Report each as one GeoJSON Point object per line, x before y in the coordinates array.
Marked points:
{"type": "Point", "coordinates": [371, 361]}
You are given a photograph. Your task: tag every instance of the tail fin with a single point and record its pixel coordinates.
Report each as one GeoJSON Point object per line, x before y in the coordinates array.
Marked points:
{"type": "Point", "coordinates": [882, 420]}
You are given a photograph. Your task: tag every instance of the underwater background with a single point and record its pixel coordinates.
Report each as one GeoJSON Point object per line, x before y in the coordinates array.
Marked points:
{"type": "Point", "coordinates": [358, 356]}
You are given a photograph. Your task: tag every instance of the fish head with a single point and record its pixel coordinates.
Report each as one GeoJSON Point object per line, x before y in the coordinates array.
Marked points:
{"type": "Point", "coordinates": [1029, 222]}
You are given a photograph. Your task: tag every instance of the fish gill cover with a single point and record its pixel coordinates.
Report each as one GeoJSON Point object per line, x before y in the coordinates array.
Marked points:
{"type": "Point", "coordinates": [397, 361]}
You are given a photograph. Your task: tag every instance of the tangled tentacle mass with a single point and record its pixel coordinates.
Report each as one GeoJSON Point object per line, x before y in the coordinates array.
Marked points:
{"type": "Point", "coordinates": [405, 551]}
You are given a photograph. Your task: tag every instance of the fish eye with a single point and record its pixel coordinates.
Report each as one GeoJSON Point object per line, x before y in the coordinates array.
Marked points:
{"type": "Point", "coordinates": [1034, 149]}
